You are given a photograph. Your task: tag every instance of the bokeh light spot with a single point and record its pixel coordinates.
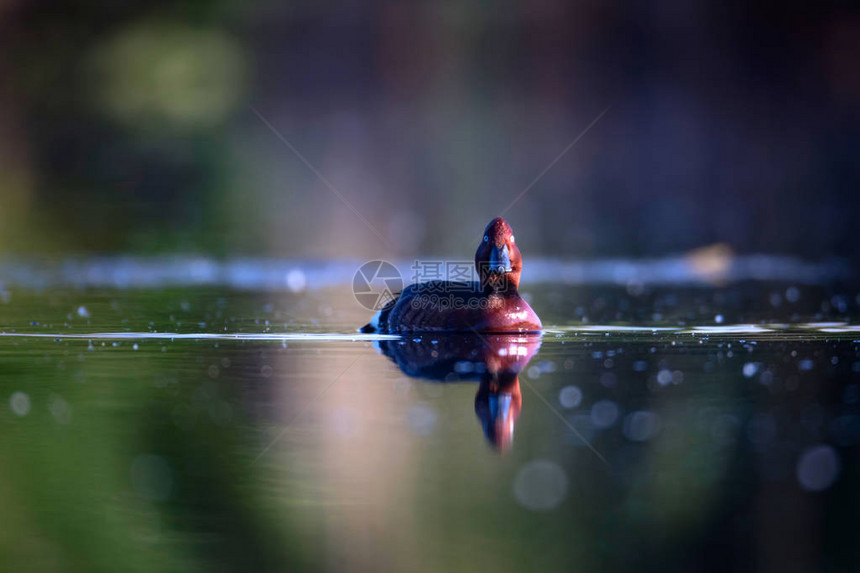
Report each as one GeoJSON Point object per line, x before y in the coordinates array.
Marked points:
{"type": "Point", "coordinates": [540, 485]}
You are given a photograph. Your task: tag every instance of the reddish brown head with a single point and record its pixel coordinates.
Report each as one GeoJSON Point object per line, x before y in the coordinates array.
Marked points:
{"type": "Point", "coordinates": [498, 260]}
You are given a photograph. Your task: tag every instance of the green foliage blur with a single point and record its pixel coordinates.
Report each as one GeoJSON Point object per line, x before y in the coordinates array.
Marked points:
{"type": "Point", "coordinates": [130, 127]}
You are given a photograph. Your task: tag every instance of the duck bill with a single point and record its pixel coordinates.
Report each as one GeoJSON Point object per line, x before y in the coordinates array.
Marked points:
{"type": "Point", "coordinates": [500, 260]}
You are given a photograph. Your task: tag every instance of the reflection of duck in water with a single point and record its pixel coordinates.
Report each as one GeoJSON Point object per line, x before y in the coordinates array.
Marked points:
{"type": "Point", "coordinates": [495, 360]}
{"type": "Point", "coordinates": [498, 404]}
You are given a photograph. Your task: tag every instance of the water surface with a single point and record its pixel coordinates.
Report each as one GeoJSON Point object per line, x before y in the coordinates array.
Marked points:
{"type": "Point", "coordinates": [211, 428]}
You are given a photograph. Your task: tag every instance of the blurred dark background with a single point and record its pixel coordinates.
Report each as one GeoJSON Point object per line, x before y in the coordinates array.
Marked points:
{"type": "Point", "coordinates": [128, 127]}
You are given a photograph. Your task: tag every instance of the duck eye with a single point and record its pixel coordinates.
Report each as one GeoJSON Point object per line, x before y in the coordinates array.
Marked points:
{"type": "Point", "coordinates": [512, 239]}
{"type": "Point", "coordinates": [486, 238]}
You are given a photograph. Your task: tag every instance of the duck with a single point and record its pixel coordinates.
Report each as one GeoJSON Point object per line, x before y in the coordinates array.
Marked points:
{"type": "Point", "coordinates": [491, 304]}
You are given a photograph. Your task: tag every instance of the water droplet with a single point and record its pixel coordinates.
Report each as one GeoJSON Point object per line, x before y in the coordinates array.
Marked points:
{"type": "Point", "coordinates": [751, 369]}
{"type": "Point", "coordinates": [20, 403]}
{"type": "Point", "coordinates": [60, 409]}
{"type": "Point", "coordinates": [604, 413]}
{"type": "Point", "coordinates": [540, 485]}
{"type": "Point", "coordinates": [570, 397]}
{"type": "Point", "coordinates": [641, 426]}
{"type": "Point", "coordinates": [818, 467]}
{"type": "Point", "coordinates": [296, 280]}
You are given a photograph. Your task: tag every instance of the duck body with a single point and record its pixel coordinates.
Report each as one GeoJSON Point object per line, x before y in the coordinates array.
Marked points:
{"type": "Point", "coordinates": [448, 306]}
{"type": "Point", "coordinates": [490, 305]}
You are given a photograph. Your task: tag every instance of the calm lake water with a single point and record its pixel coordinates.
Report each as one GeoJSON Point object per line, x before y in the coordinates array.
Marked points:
{"type": "Point", "coordinates": [674, 428]}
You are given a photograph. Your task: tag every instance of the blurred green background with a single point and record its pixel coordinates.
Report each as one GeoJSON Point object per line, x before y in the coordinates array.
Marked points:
{"type": "Point", "coordinates": [127, 127]}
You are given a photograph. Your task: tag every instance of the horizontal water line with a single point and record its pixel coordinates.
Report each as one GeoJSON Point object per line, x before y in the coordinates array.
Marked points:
{"type": "Point", "coordinates": [594, 329]}
{"type": "Point", "coordinates": [290, 336]}
{"type": "Point", "coordinates": [124, 272]}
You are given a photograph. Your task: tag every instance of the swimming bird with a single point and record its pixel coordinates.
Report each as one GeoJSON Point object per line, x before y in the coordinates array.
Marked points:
{"type": "Point", "coordinates": [491, 304]}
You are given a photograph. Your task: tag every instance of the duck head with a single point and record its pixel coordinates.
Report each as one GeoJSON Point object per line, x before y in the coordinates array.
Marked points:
{"type": "Point", "coordinates": [498, 260]}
